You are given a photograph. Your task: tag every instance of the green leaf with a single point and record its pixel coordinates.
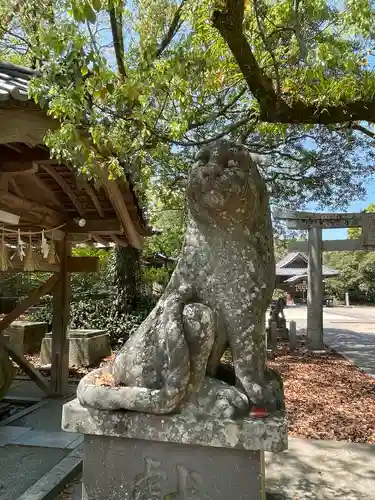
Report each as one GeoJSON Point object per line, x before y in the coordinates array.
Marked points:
{"type": "Point", "coordinates": [89, 13]}
{"type": "Point", "coordinates": [97, 4]}
{"type": "Point", "coordinates": [77, 13]}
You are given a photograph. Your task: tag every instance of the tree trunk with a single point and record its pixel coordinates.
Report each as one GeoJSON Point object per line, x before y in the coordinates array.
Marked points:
{"type": "Point", "coordinates": [127, 278]}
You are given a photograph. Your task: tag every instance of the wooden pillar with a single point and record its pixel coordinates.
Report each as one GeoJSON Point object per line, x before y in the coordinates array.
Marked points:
{"type": "Point", "coordinates": [61, 310]}
{"type": "Point", "coordinates": [315, 290]}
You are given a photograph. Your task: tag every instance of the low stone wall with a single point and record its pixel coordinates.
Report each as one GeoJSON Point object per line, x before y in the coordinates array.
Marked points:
{"type": "Point", "coordinates": [26, 336]}
{"type": "Point", "coordinates": [86, 347]}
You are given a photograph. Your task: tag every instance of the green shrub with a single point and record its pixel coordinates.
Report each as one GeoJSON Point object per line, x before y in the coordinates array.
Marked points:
{"type": "Point", "coordinates": [101, 314]}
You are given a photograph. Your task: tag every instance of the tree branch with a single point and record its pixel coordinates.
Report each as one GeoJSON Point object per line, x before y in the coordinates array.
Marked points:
{"type": "Point", "coordinates": [14, 35]}
{"type": "Point", "coordinates": [214, 138]}
{"type": "Point", "coordinates": [173, 29]}
{"type": "Point", "coordinates": [267, 46]}
{"type": "Point", "coordinates": [229, 24]}
{"type": "Point", "coordinates": [221, 112]}
{"type": "Point", "coordinates": [273, 108]}
{"type": "Point", "coordinates": [115, 16]}
{"type": "Point", "coordinates": [362, 129]}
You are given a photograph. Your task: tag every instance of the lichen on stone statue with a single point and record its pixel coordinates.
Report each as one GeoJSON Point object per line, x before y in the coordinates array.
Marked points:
{"type": "Point", "coordinates": [217, 297]}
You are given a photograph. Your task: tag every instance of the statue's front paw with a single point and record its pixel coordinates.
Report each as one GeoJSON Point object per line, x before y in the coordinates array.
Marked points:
{"type": "Point", "coordinates": [219, 400]}
{"type": "Point", "coordinates": [231, 403]}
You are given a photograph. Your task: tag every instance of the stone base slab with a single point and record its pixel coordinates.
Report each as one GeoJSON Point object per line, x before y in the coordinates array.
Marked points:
{"type": "Point", "coordinates": [86, 347]}
{"type": "Point", "coordinates": [186, 427]}
{"type": "Point", "coordinates": [130, 469]}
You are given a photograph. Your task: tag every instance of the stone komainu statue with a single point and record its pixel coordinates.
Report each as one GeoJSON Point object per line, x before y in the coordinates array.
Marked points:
{"type": "Point", "coordinates": [217, 296]}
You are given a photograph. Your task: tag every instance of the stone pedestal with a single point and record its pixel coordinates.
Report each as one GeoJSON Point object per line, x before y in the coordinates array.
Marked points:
{"type": "Point", "coordinates": [26, 336]}
{"type": "Point", "coordinates": [138, 456]}
{"type": "Point", "coordinates": [86, 347]}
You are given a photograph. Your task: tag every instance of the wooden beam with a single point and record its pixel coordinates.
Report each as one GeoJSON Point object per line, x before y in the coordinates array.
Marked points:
{"type": "Point", "coordinates": [41, 265]}
{"type": "Point", "coordinates": [14, 186]}
{"type": "Point", "coordinates": [27, 367]}
{"type": "Point", "coordinates": [20, 308]}
{"type": "Point", "coordinates": [329, 246]}
{"type": "Point", "coordinates": [4, 182]}
{"type": "Point", "coordinates": [48, 192]}
{"type": "Point", "coordinates": [74, 265]}
{"type": "Point", "coordinates": [61, 309]}
{"type": "Point", "coordinates": [83, 264]}
{"type": "Point", "coordinates": [19, 167]}
{"type": "Point", "coordinates": [100, 240]}
{"type": "Point", "coordinates": [118, 202]}
{"type": "Point", "coordinates": [65, 187]}
{"type": "Point", "coordinates": [98, 226]}
{"type": "Point", "coordinates": [33, 296]}
{"type": "Point", "coordinates": [12, 146]}
{"type": "Point", "coordinates": [119, 242]}
{"type": "Point", "coordinates": [8, 218]}
{"type": "Point", "coordinates": [30, 210]}
{"type": "Point", "coordinates": [92, 195]}
{"type": "Point", "coordinates": [34, 154]}
{"type": "Point", "coordinates": [22, 124]}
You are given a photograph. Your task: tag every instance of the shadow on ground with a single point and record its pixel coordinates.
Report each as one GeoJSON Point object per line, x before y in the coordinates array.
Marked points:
{"type": "Point", "coordinates": [322, 470]}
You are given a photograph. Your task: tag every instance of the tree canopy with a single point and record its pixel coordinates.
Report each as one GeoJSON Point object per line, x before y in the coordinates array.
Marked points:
{"type": "Point", "coordinates": [357, 275]}
{"type": "Point", "coordinates": [149, 82]}
{"type": "Point", "coordinates": [354, 233]}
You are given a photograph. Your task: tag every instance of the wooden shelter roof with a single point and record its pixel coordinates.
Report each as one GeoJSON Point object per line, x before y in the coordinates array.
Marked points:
{"type": "Point", "coordinates": [45, 193]}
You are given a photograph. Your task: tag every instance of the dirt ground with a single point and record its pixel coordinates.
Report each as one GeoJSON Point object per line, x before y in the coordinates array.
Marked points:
{"type": "Point", "coordinates": [326, 396]}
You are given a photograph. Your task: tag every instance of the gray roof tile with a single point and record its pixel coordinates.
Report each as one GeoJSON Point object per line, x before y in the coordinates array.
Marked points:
{"type": "Point", "coordinates": [291, 257]}
{"type": "Point", "coordinates": [14, 81]}
{"type": "Point", "coordinates": [282, 268]}
{"type": "Point", "coordinates": [299, 271]}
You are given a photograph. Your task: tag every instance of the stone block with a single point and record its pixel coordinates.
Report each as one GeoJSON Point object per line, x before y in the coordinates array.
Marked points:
{"type": "Point", "coordinates": [129, 455]}
{"type": "Point", "coordinates": [26, 336]}
{"type": "Point", "coordinates": [86, 347]}
{"type": "Point", "coordinates": [292, 335]}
